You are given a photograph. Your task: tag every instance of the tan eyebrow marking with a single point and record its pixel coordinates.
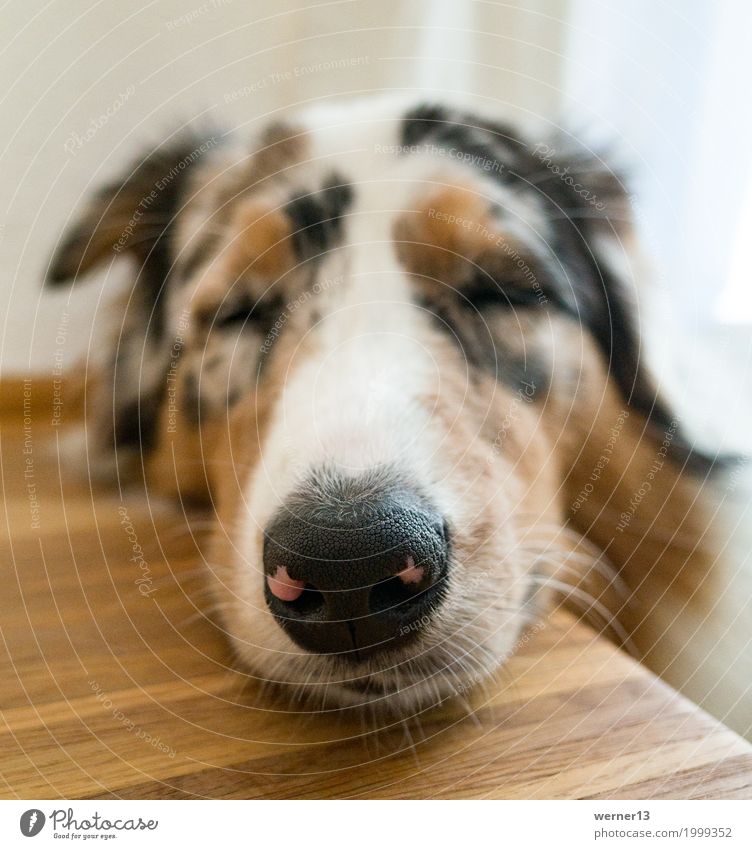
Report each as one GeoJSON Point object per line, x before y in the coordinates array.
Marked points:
{"type": "Point", "coordinates": [261, 250]}
{"type": "Point", "coordinates": [449, 234]}
{"type": "Point", "coordinates": [263, 245]}
{"type": "Point", "coordinates": [224, 188]}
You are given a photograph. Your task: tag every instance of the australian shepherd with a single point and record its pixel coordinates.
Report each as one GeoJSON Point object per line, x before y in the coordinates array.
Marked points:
{"type": "Point", "coordinates": [395, 351]}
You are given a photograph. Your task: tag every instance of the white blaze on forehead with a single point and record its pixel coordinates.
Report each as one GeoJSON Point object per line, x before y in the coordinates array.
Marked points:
{"type": "Point", "coordinates": [352, 399]}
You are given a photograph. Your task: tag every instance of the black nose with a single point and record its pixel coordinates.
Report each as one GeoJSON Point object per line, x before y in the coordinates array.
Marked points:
{"type": "Point", "coordinates": [357, 574]}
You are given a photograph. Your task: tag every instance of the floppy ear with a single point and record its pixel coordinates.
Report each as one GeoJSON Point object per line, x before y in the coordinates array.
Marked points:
{"type": "Point", "coordinates": [594, 227]}
{"type": "Point", "coordinates": [132, 215]}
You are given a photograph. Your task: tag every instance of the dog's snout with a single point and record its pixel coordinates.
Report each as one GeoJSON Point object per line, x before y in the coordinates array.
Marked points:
{"type": "Point", "coordinates": [355, 576]}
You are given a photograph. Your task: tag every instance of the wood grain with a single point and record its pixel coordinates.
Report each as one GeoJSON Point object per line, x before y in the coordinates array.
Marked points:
{"type": "Point", "coordinates": [119, 689]}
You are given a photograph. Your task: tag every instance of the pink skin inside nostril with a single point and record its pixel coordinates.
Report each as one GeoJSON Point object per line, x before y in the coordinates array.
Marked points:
{"type": "Point", "coordinates": [283, 586]}
{"type": "Point", "coordinates": [411, 574]}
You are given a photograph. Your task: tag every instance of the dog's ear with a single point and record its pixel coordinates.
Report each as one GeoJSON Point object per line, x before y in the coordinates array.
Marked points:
{"type": "Point", "coordinates": [594, 231]}
{"type": "Point", "coordinates": [592, 234]}
{"type": "Point", "coordinates": [132, 216]}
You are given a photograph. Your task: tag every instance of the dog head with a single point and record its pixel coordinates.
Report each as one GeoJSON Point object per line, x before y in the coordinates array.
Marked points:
{"type": "Point", "coordinates": [393, 334]}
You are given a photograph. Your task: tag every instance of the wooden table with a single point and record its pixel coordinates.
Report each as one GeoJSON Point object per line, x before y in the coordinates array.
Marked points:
{"type": "Point", "coordinates": [109, 692]}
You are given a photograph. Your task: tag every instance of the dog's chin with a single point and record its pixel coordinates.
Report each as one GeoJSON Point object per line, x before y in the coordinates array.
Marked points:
{"type": "Point", "coordinates": [377, 695]}
{"type": "Point", "coordinates": [397, 687]}
{"type": "Point", "coordinates": [454, 659]}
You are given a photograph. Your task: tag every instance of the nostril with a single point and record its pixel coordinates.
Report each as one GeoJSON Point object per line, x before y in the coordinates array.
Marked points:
{"type": "Point", "coordinates": [308, 604]}
{"type": "Point", "coordinates": [406, 587]}
{"type": "Point", "coordinates": [301, 600]}
{"type": "Point", "coordinates": [283, 586]}
{"type": "Point", "coordinates": [411, 574]}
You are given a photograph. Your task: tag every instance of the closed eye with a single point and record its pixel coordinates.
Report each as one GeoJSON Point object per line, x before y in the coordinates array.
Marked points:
{"type": "Point", "coordinates": [248, 314]}
{"type": "Point", "coordinates": [488, 293]}
{"type": "Point", "coordinates": [233, 317]}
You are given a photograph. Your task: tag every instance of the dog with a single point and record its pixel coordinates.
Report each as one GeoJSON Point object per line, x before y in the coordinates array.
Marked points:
{"type": "Point", "coordinates": [395, 349]}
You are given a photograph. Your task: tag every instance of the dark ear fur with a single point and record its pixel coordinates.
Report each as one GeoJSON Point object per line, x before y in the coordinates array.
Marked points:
{"type": "Point", "coordinates": [134, 216]}
{"type": "Point", "coordinates": [131, 215]}
{"type": "Point", "coordinates": [593, 205]}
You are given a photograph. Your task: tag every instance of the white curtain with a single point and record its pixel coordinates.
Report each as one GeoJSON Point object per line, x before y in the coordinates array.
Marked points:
{"type": "Point", "coordinates": [668, 81]}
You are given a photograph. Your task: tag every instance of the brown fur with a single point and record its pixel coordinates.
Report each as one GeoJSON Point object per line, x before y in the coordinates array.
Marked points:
{"type": "Point", "coordinates": [450, 235]}
{"type": "Point", "coordinates": [281, 146]}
